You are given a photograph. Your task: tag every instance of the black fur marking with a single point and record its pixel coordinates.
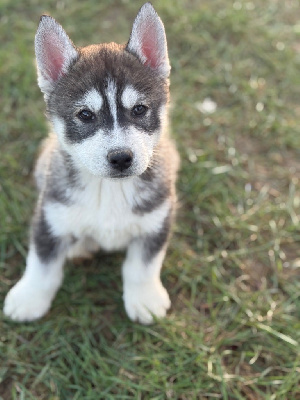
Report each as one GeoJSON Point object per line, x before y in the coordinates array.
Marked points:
{"type": "Point", "coordinates": [148, 123]}
{"type": "Point", "coordinates": [58, 195]}
{"type": "Point", "coordinates": [71, 170]}
{"type": "Point", "coordinates": [76, 130]}
{"type": "Point", "coordinates": [155, 242]}
{"type": "Point", "coordinates": [47, 245]}
{"type": "Point", "coordinates": [148, 175]}
{"type": "Point", "coordinates": [154, 185]}
{"type": "Point", "coordinates": [158, 194]}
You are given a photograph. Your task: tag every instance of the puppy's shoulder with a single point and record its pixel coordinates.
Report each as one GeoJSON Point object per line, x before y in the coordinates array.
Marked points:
{"type": "Point", "coordinates": [55, 173]}
{"type": "Point", "coordinates": [157, 184]}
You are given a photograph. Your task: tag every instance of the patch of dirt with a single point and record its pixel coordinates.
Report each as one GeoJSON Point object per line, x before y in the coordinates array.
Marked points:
{"type": "Point", "coordinates": [255, 274]}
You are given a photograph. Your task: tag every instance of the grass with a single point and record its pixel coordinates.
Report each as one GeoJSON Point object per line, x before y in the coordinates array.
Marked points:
{"type": "Point", "coordinates": [232, 268]}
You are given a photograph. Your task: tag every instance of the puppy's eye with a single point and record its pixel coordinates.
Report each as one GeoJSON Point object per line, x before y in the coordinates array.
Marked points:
{"type": "Point", "coordinates": [86, 115]}
{"type": "Point", "coordinates": [139, 110]}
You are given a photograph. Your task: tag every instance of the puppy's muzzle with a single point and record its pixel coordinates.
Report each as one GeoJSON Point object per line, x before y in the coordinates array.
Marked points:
{"type": "Point", "coordinates": [120, 160]}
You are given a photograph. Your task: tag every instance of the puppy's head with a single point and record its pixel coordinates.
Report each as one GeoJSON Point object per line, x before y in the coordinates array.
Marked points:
{"type": "Point", "coordinates": [107, 103]}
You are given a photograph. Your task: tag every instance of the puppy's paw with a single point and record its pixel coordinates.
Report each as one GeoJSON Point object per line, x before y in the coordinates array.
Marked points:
{"type": "Point", "coordinates": [144, 301]}
{"type": "Point", "coordinates": [25, 302]}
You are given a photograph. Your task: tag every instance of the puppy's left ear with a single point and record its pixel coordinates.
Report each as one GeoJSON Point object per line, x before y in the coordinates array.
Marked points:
{"type": "Point", "coordinates": [148, 40]}
{"type": "Point", "coordinates": [54, 51]}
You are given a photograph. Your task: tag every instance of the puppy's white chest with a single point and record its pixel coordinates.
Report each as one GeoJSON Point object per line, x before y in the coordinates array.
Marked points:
{"type": "Point", "coordinates": [103, 212]}
{"type": "Point", "coordinates": [116, 224]}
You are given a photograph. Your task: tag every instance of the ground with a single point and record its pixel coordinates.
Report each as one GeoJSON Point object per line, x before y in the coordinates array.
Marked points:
{"type": "Point", "coordinates": [232, 269]}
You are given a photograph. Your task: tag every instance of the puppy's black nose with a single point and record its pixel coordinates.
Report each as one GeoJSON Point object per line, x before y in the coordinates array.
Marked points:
{"type": "Point", "coordinates": [120, 159]}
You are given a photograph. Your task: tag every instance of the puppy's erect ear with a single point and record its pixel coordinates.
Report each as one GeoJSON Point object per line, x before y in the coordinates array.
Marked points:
{"type": "Point", "coordinates": [148, 40]}
{"type": "Point", "coordinates": [54, 51]}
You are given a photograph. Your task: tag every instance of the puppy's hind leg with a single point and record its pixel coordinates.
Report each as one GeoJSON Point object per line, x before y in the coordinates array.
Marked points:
{"type": "Point", "coordinates": [31, 297]}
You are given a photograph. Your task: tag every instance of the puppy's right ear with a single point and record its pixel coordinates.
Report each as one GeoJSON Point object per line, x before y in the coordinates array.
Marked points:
{"type": "Point", "coordinates": [148, 41]}
{"type": "Point", "coordinates": [54, 52]}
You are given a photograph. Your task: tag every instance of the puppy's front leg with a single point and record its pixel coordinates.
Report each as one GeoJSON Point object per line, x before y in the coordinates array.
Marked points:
{"type": "Point", "coordinates": [31, 297]}
{"type": "Point", "coordinates": [144, 294]}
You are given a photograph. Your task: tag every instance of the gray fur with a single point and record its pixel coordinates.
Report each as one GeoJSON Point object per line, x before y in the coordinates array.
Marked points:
{"type": "Point", "coordinates": [56, 174]}
{"type": "Point", "coordinates": [47, 245]}
{"type": "Point", "coordinates": [156, 182]}
{"type": "Point", "coordinates": [154, 243]}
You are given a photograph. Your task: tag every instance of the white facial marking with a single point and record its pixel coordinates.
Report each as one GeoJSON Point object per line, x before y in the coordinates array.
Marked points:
{"type": "Point", "coordinates": [111, 94]}
{"type": "Point", "coordinates": [92, 99]}
{"type": "Point", "coordinates": [130, 97]}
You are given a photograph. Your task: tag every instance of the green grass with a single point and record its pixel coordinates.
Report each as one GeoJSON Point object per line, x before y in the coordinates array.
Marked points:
{"type": "Point", "coordinates": [232, 268]}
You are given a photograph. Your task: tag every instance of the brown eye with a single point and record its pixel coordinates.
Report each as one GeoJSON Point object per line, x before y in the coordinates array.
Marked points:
{"type": "Point", "coordinates": [139, 110]}
{"type": "Point", "coordinates": [86, 115]}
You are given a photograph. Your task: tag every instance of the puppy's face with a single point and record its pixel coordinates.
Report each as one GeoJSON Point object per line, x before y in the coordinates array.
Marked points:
{"type": "Point", "coordinates": [108, 111]}
{"type": "Point", "coordinates": [107, 103]}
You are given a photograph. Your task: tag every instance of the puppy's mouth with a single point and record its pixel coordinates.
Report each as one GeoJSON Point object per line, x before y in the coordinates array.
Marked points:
{"type": "Point", "coordinates": [120, 176]}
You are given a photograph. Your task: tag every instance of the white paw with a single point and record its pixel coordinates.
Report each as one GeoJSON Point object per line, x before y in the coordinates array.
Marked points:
{"type": "Point", "coordinates": [24, 302]}
{"type": "Point", "coordinates": [145, 300]}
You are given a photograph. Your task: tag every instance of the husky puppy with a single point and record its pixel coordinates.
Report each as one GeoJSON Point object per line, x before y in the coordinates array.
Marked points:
{"type": "Point", "coordinates": [106, 176]}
